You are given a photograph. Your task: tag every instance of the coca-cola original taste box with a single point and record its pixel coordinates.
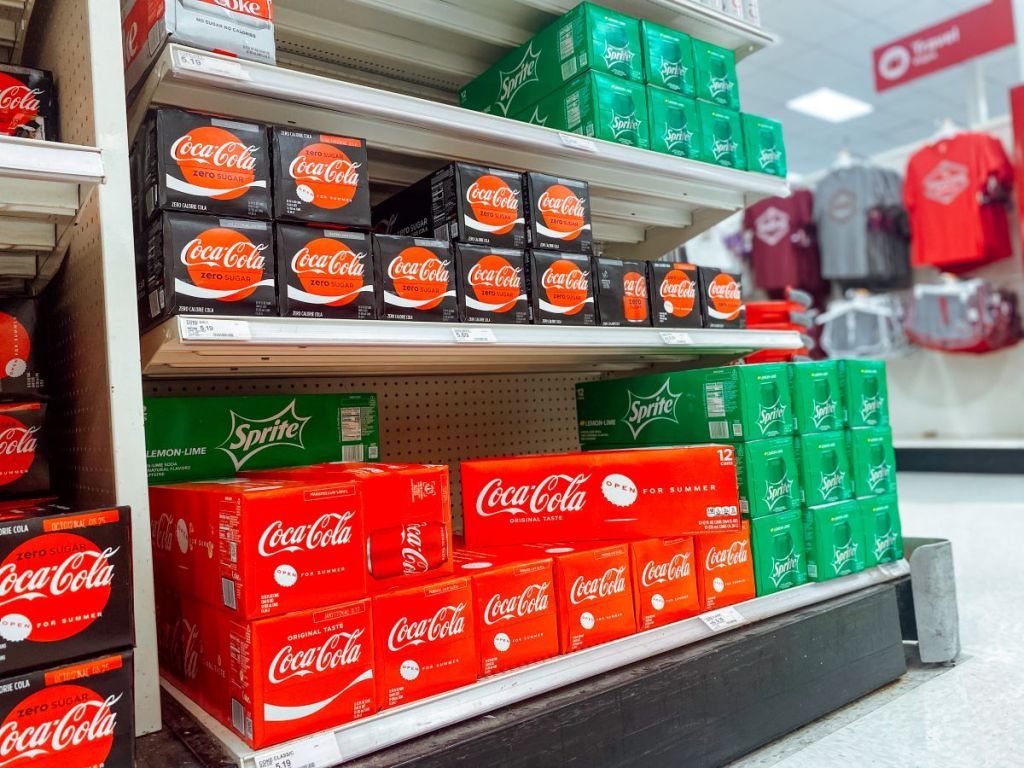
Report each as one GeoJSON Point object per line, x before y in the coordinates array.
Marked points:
{"type": "Point", "coordinates": [664, 581]}
{"type": "Point", "coordinates": [725, 569]}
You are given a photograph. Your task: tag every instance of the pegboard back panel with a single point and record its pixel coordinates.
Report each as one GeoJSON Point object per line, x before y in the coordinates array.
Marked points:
{"type": "Point", "coordinates": [439, 419]}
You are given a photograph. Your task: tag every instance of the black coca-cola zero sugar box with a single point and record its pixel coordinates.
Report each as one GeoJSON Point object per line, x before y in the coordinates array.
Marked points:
{"type": "Point", "coordinates": [28, 103]}
{"type": "Point", "coordinates": [24, 452]}
{"type": "Point", "coordinates": [674, 291]}
{"type": "Point", "coordinates": [721, 299]}
{"type": "Point", "coordinates": [561, 288]}
{"type": "Point", "coordinates": [491, 285]}
{"type": "Point", "coordinates": [204, 265]}
{"type": "Point", "coordinates": [325, 273]}
{"type": "Point", "coordinates": [621, 289]}
{"type": "Point", "coordinates": [558, 214]}
{"type": "Point", "coordinates": [20, 348]}
{"type": "Point", "coordinates": [417, 279]}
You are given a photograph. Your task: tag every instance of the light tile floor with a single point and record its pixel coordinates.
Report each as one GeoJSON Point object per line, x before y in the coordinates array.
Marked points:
{"type": "Point", "coordinates": [971, 714]}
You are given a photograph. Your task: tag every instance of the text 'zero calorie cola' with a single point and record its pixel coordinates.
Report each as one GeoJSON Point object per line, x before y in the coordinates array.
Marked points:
{"type": "Point", "coordinates": [491, 285]}
{"type": "Point", "coordinates": [558, 213]}
{"type": "Point", "coordinates": [24, 451]}
{"type": "Point", "coordinates": [325, 273]}
{"type": "Point", "coordinates": [675, 295]}
{"type": "Point", "coordinates": [28, 103]}
{"type": "Point", "coordinates": [561, 288]}
{"type": "Point", "coordinates": [621, 289]}
{"type": "Point", "coordinates": [725, 568]}
{"type": "Point", "coordinates": [664, 581]}
{"type": "Point", "coordinates": [834, 539]}
{"type": "Point", "coordinates": [780, 559]}
{"type": "Point", "coordinates": [416, 278]}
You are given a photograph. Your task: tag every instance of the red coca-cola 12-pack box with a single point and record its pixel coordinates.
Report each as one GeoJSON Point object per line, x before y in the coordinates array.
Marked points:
{"type": "Point", "coordinates": [664, 581]}
{"type": "Point", "coordinates": [725, 569]}
{"type": "Point", "coordinates": [24, 453]}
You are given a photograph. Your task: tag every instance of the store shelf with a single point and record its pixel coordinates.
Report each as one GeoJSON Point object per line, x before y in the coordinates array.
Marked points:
{"type": "Point", "coordinates": [402, 723]}
{"type": "Point", "coordinates": [219, 346]}
{"type": "Point", "coordinates": [644, 203]}
{"type": "Point", "coordinates": [442, 44]}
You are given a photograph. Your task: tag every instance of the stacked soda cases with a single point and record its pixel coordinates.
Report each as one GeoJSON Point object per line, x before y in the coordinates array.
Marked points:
{"type": "Point", "coordinates": [604, 74]}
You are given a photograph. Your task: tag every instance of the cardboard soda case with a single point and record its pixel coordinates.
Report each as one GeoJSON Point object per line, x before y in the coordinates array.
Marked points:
{"type": "Point", "coordinates": [325, 273]}
{"type": "Point", "coordinates": [417, 279]}
{"type": "Point", "coordinates": [721, 136]}
{"type": "Point", "coordinates": [272, 679]}
{"type": "Point", "coordinates": [586, 38]}
{"type": "Point", "coordinates": [224, 435]}
{"type": "Point", "coordinates": [883, 534]}
{"type": "Point", "coordinates": [824, 468]}
{"type": "Point", "coordinates": [320, 179]}
{"type": "Point", "coordinates": [28, 103]}
{"type": "Point", "coordinates": [721, 299]}
{"type": "Point", "coordinates": [260, 548]}
{"type": "Point", "coordinates": [834, 540]}
{"type": "Point", "coordinates": [872, 461]}
{"type": "Point", "coordinates": [765, 150]}
{"type": "Point", "coordinates": [203, 265]}
{"type": "Point", "coordinates": [599, 495]}
{"type": "Point", "coordinates": [203, 164]}
{"type": "Point", "coordinates": [461, 203]}
{"type": "Point", "coordinates": [817, 396]}
{"type": "Point", "coordinates": [24, 451]}
{"type": "Point", "coordinates": [491, 285]}
{"type": "Point", "coordinates": [780, 560]}
{"type": "Point", "coordinates": [20, 344]}
{"type": "Point", "coordinates": [768, 475]}
{"type": "Point", "coordinates": [424, 640]}
{"type": "Point", "coordinates": [715, 75]}
{"type": "Point", "coordinates": [664, 581]}
{"type": "Point", "coordinates": [668, 58]}
{"type": "Point", "coordinates": [865, 392]}
{"type": "Point", "coordinates": [739, 402]}
{"type": "Point", "coordinates": [725, 569]}
{"type": "Point", "coordinates": [558, 213]}
{"type": "Point", "coordinates": [561, 288]}
{"type": "Point", "coordinates": [621, 290]}
{"type": "Point", "coordinates": [675, 300]}
{"type": "Point", "coordinates": [78, 714]}
{"type": "Point", "coordinates": [674, 123]}
{"type": "Point", "coordinates": [65, 584]}
{"type": "Point", "coordinates": [514, 606]}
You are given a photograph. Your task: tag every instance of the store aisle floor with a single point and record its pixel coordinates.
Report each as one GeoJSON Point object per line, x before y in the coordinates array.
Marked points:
{"type": "Point", "coordinates": [967, 715]}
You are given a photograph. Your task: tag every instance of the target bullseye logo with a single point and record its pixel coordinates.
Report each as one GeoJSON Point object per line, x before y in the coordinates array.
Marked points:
{"type": "Point", "coordinates": [894, 62]}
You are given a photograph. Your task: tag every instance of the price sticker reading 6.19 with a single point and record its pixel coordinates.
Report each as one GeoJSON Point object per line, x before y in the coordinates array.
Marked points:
{"type": "Point", "coordinates": [318, 751]}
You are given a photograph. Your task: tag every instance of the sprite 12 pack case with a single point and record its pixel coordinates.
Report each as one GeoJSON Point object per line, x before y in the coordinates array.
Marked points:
{"type": "Point", "coordinates": [780, 559]}
{"type": "Point", "coordinates": [768, 476]}
{"type": "Point", "coordinates": [834, 540]}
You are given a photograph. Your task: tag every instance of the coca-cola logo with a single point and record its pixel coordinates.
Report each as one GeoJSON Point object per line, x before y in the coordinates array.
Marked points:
{"type": "Point", "coordinates": [502, 275]}
{"type": "Point", "coordinates": [428, 271]}
{"type": "Point", "coordinates": [724, 298]}
{"type": "Point", "coordinates": [570, 280]}
{"type": "Point", "coordinates": [20, 98]}
{"type": "Point", "coordinates": [611, 582]}
{"type": "Point", "coordinates": [339, 650]}
{"type": "Point", "coordinates": [18, 440]}
{"type": "Point", "coordinates": [555, 494]}
{"type": "Point", "coordinates": [342, 262]}
{"type": "Point", "coordinates": [179, 647]}
{"type": "Point", "coordinates": [420, 278]}
{"type": "Point", "coordinates": [414, 559]}
{"type": "Point", "coordinates": [660, 573]}
{"type": "Point", "coordinates": [736, 554]}
{"type": "Point", "coordinates": [215, 163]}
{"type": "Point", "coordinates": [566, 286]}
{"type": "Point", "coordinates": [333, 529]}
{"type": "Point", "coordinates": [260, 9]}
{"type": "Point", "coordinates": [330, 172]}
{"type": "Point", "coordinates": [330, 271]}
{"type": "Point", "coordinates": [678, 292]}
{"type": "Point", "coordinates": [325, 176]}
{"type": "Point", "coordinates": [448, 621]}
{"type": "Point", "coordinates": [533, 599]}
{"type": "Point", "coordinates": [634, 297]}
{"type": "Point", "coordinates": [678, 289]}
{"type": "Point", "coordinates": [62, 725]}
{"type": "Point", "coordinates": [495, 205]}
{"type": "Point", "coordinates": [635, 285]}
{"type": "Point", "coordinates": [562, 213]}
{"type": "Point", "coordinates": [497, 285]}
{"type": "Point", "coordinates": [224, 264]}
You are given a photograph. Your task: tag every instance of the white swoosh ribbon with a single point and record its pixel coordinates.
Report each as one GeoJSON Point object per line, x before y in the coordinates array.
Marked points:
{"type": "Point", "coordinates": [485, 307]}
{"type": "Point", "coordinates": [313, 298]}
{"type": "Point", "coordinates": [399, 301]}
{"type": "Point", "coordinates": [276, 713]}
{"type": "Point", "coordinates": [723, 315]}
{"type": "Point", "coordinates": [27, 596]}
{"type": "Point", "coordinates": [481, 227]}
{"type": "Point", "coordinates": [559, 235]}
{"type": "Point", "coordinates": [211, 293]}
{"type": "Point", "coordinates": [547, 307]}
{"type": "Point", "coordinates": [196, 191]}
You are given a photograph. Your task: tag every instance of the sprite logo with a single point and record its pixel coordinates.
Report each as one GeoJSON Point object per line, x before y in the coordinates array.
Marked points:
{"type": "Point", "coordinates": [677, 137]}
{"type": "Point", "coordinates": [617, 56]}
{"type": "Point", "coordinates": [776, 493]}
{"type": "Point", "coordinates": [536, 119]}
{"type": "Point", "coordinates": [621, 124]}
{"type": "Point", "coordinates": [513, 81]}
{"type": "Point", "coordinates": [719, 85]}
{"type": "Point", "coordinates": [878, 476]}
{"type": "Point", "coordinates": [783, 567]}
{"type": "Point", "coordinates": [769, 157]}
{"type": "Point", "coordinates": [822, 411]}
{"type": "Point", "coordinates": [831, 483]}
{"type": "Point", "coordinates": [885, 545]}
{"type": "Point", "coordinates": [769, 415]}
{"type": "Point", "coordinates": [870, 408]}
{"type": "Point", "coordinates": [843, 557]}
{"type": "Point", "coordinates": [249, 437]}
{"type": "Point", "coordinates": [720, 148]}
{"type": "Point", "coordinates": [645, 409]}
{"type": "Point", "coordinates": [670, 70]}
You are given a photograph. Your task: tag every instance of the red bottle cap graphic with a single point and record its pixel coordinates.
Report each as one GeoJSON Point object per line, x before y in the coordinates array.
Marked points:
{"type": "Point", "coordinates": [18, 104]}
{"type": "Point", "coordinates": [330, 272]}
{"type": "Point", "coordinates": [324, 175]}
{"type": "Point", "coordinates": [496, 206]}
{"type": "Point", "coordinates": [15, 347]}
{"type": "Point", "coordinates": [679, 292]}
{"type": "Point", "coordinates": [214, 163]}
{"type": "Point", "coordinates": [224, 264]}
{"type": "Point", "coordinates": [496, 284]}
{"type": "Point", "coordinates": [561, 212]}
{"type": "Point", "coordinates": [724, 300]}
{"type": "Point", "coordinates": [420, 278]}
{"type": "Point", "coordinates": [634, 297]}
{"type": "Point", "coordinates": [567, 288]}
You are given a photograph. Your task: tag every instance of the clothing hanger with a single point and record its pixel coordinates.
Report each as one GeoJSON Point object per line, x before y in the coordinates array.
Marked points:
{"type": "Point", "coordinates": [848, 159]}
{"type": "Point", "coordinates": [947, 129]}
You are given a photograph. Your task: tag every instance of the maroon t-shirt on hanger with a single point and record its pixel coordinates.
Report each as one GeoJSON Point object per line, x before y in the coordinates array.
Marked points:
{"type": "Point", "coordinates": [784, 251]}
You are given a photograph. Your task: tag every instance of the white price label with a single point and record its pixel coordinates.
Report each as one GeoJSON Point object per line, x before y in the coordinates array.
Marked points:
{"type": "Point", "coordinates": [202, 329]}
{"type": "Point", "coordinates": [676, 338]}
{"type": "Point", "coordinates": [474, 336]}
{"type": "Point", "coordinates": [317, 751]}
{"type": "Point", "coordinates": [723, 618]}
{"type": "Point", "coordinates": [578, 142]}
{"type": "Point", "coordinates": [208, 65]}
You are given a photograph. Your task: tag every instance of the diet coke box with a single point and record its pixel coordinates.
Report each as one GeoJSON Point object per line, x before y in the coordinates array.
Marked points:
{"type": "Point", "coordinates": [79, 714]}
{"type": "Point", "coordinates": [599, 495]}
{"type": "Point", "coordinates": [203, 164]}
{"type": "Point", "coordinates": [320, 179]}
{"type": "Point", "coordinates": [514, 605]}
{"type": "Point", "coordinates": [201, 265]}
{"type": "Point", "coordinates": [491, 285]}
{"type": "Point", "coordinates": [721, 299]}
{"type": "Point", "coordinates": [238, 28]}
{"type": "Point", "coordinates": [417, 279]}
{"type": "Point", "coordinates": [664, 581]}
{"type": "Point", "coordinates": [561, 288]}
{"type": "Point", "coordinates": [621, 289]}
{"type": "Point", "coordinates": [325, 273]}
{"type": "Point", "coordinates": [24, 454]}
{"type": "Point", "coordinates": [725, 570]}
{"type": "Point", "coordinates": [259, 548]}
{"type": "Point", "coordinates": [272, 679]}
{"type": "Point", "coordinates": [460, 203]}
{"type": "Point", "coordinates": [424, 640]}
{"type": "Point", "coordinates": [558, 214]}
{"type": "Point", "coordinates": [65, 584]}
{"type": "Point", "coordinates": [409, 531]}
{"type": "Point", "coordinates": [28, 103]}
{"type": "Point", "coordinates": [674, 295]}
{"type": "Point", "coordinates": [20, 374]}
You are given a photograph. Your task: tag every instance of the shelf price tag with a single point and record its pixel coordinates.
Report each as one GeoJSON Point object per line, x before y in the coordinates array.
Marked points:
{"type": "Point", "coordinates": [578, 142]}
{"type": "Point", "coordinates": [317, 751]}
{"type": "Point", "coordinates": [723, 618]}
{"type": "Point", "coordinates": [208, 65]}
{"type": "Point", "coordinates": [676, 338]}
{"type": "Point", "coordinates": [202, 329]}
{"type": "Point", "coordinates": [474, 336]}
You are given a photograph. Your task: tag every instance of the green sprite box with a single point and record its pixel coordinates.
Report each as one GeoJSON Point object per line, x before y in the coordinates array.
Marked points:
{"type": "Point", "coordinates": [721, 136]}
{"type": "Point", "coordinates": [865, 392]}
{"type": "Point", "coordinates": [872, 461]}
{"type": "Point", "coordinates": [824, 468]}
{"type": "Point", "coordinates": [883, 533]}
{"type": "Point", "coordinates": [768, 476]}
{"type": "Point", "coordinates": [817, 396]}
{"type": "Point", "coordinates": [834, 540]}
{"type": "Point", "coordinates": [704, 405]}
{"type": "Point", "coordinates": [586, 38]}
{"type": "Point", "coordinates": [777, 542]}
{"type": "Point", "coordinates": [597, 105]}
{"type": "Point", "coordinates": [765, 150]}
{"type": "Point", "coordinates": [674, 123]}
{"type": "Point", "coordinates": [200, 438]}
{"type": "Point", "coordinates": [715, 75]}
{"type": "Point", "coordinates": [668, 58]}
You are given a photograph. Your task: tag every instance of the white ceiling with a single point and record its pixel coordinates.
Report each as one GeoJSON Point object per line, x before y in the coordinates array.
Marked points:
{"type": "Point", "coordinates": [829, 43]}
